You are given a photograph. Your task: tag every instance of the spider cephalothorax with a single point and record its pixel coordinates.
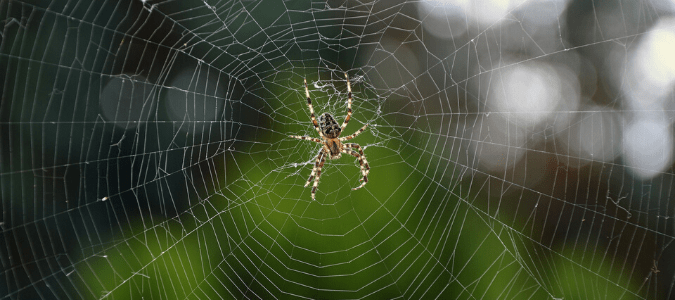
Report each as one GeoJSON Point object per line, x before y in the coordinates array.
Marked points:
{"type": "Point", "coordinates": [329, 131]}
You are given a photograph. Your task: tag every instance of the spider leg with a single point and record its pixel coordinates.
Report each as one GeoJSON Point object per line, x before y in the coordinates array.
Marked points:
{"type": "Point", "coordinates": [320, 160]}
{"type": "Point", "coordinates": [349, 103]}
{"type": "Point", "coordinates": [318, 174]}
{"type": "Point", "coordinates": [361, 155]}
{"type": "Point", "coordinates": [363, 163]}
{"type": "Point", "coordinates": [346, 138]}
{"type": "Point", "coordinates": [306, 138]}
{"type": "Point", "coordinates": [311, 111]}
{"type": "Point", "coordinates": [319, 157]}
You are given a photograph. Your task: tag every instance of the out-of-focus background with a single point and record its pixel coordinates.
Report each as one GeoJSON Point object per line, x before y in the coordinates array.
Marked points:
{"type": "Point", "coordinates": [519, 149]}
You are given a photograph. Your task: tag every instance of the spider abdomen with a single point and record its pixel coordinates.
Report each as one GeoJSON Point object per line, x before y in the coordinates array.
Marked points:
{"type": "Point", "coordinates": [329, 127]}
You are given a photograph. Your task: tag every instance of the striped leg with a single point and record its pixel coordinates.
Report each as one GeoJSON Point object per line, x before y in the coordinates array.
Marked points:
{"type": "Point", "coordinates": [320, 160]}
{"type": "Point", "coordinates": [319, 157]}
{"type": "Point", "coordinates": [346, 138]}
{"type": "Point", "coordinates": [318, 175]}
{"type": "Point", "coordinates": [361, 155]}
{"type": "Point", "coordinates": [363, 163]}
{"type": "Point", "coordinates": [349, 103]}
{"type": "Point", "coordinates": [306, 138]}
{"type": "Point", "coordinates": [311, 111]}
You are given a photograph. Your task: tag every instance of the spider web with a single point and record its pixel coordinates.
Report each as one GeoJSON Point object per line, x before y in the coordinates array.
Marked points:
{"type": "Point", "coordinates": [518, 149]}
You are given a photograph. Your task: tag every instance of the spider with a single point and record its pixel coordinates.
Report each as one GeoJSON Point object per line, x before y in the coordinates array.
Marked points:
{"type": "Point", "coordinates": [329, 131]}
